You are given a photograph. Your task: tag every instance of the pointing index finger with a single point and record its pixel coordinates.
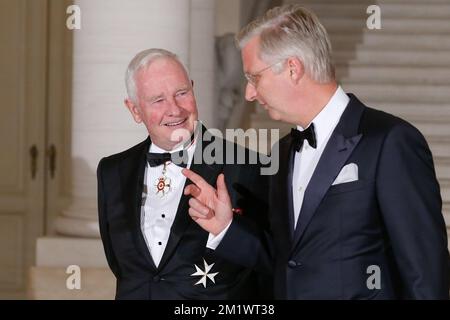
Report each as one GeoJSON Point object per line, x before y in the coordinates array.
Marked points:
{"type": "Point", "coordinates": [195, 178]}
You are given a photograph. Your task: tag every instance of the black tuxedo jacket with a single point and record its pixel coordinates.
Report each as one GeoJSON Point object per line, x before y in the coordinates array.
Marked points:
{"type": "Point", "coordinates": [387, 224]}
{"type": "Point", "coordinates": [120, 184]}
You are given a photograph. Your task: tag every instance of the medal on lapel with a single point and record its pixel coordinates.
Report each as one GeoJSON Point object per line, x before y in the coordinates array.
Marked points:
{"type": "Point", "coordinates": [162, 184]}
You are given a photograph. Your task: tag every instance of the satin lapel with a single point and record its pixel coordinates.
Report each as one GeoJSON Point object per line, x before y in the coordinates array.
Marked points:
{"type": "Point", "coordinates": [333, 158]}
{"type": "Point", "coordinates": [209, 172]}
{"type": "Point", "coordinates": [132, 175]}
{"type": "Point", "coordinates": [283, 188]}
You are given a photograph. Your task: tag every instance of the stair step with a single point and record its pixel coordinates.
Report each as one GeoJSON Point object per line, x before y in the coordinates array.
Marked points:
{"type": "Point", "coordinates": [393, 75]}
{"type": "Point", "coordinates": [415, 94]}
{"type": "Point", "coordinates": [442, 166]}
{"type": "Point", "coordinates": [336, 25]}
{"type": "Point", "coordinates": [376, 40]}
{"type": "Point", "coordinates": [385, 58]}
{"type": "Point", "coordinates": [388, 10]}
{"type": "Point", "coordinates": [436, 112]}
{"type": "Point", "coordinates": [415, 111]}
{"type": "Point", "coordinates": [353, 2]}
{"type": "Point", "coordinates": [445, 193]}
{"type": "Point", "coordinates": [440, 146]}
{"type": "Point", "coordinates": [432, 129]}
{"type": "Point", "coordinates": [446, 212]}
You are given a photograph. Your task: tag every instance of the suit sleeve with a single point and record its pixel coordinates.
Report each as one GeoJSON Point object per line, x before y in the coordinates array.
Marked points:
{"type": "Point", "coordinates": [247, 241]}
{"type": "Point", "coordinates": [103, 222]}
{"type": "Point", "coordinates": [248, 245]}
{"type": "Point", "coordinates": [410, 203]}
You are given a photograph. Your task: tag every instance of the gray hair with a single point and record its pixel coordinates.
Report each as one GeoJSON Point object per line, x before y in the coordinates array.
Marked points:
{"type": "Point", "coordinates": [142, 59]}
{"type": "Point", "coordinates": [292, 31]}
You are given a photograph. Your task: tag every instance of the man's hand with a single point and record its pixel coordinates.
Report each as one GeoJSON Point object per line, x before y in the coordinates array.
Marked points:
{"type": "Point", "coordinates": [209, 207]}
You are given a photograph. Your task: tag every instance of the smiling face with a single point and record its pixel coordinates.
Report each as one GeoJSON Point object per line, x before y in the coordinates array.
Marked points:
{"type": "Point", "coordinates": [165, 102]}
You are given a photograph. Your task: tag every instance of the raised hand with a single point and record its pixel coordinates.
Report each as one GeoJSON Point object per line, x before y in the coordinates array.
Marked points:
{"type": "Point", "coordinates": [209, 207]}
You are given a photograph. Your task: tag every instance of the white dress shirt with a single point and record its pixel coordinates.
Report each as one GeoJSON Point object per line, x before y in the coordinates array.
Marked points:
{"type": "Point", "coordinates": [158, 213]}
{"type": "Point", "coordinates": [307, 158]}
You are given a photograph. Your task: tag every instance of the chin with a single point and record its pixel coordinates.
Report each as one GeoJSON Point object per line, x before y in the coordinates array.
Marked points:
{"type": "Point", "coordinates": [274, 115]}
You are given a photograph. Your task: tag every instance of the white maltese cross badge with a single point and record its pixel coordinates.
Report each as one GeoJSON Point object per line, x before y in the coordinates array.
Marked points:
{"type": "Point", "coordinates": [205, 274]}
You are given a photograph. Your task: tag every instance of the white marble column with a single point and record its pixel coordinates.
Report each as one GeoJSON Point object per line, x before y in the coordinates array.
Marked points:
{"type": "Point", "coordinates": [112, 32]}
{"type": "Point", "coordinates": [202, 58]}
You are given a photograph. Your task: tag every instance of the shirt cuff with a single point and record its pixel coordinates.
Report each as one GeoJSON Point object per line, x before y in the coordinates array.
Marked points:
{"type": "Point", "coordinates": [214, 241]}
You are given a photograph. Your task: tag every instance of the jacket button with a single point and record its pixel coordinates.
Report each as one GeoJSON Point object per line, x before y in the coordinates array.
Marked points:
{"type": "Point", "coordinates": [156, 278]}
{"type": "Point", "coordinates": [293, 264]}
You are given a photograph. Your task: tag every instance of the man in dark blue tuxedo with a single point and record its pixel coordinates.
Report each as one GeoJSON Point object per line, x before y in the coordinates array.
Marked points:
{"type": "Point", "coordinates": [152, 246]}
{"type": "Point", "coordinates": [355, 209]}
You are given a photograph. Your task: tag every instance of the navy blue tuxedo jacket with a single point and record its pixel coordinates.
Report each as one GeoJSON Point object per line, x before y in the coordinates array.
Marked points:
{"type": "Point", "coordinates": [389, 220]}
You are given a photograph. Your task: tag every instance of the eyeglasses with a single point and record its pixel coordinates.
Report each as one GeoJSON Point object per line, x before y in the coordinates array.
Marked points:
{"type": "Point", "coordinates": [253, 78]}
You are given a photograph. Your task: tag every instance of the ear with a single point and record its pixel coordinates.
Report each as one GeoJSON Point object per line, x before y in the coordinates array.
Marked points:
{"type": "Point", "coordinates": [192, 83]}
{"type": "Point", "coordinates": [134, 109]}
{"type": "Point", "coordinates": [295, 69]}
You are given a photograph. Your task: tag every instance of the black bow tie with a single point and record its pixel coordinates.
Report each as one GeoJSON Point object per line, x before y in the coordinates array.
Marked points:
{"type": "Point", "coordinates": [298, 136]}
{"type": "Point", "coordinates": [179, 158]}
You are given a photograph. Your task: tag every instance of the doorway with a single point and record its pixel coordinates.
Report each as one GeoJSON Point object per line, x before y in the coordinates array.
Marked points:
{"type": "Point", "coordinates": [35, 61]}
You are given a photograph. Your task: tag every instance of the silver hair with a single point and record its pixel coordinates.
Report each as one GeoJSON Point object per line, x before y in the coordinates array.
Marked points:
{"type": "Point", "coordinates": [292, 31]}
{"type": "Point", "coordinates": [143, 59]}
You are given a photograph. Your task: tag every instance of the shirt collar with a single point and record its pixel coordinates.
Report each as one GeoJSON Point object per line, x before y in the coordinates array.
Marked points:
{"type": "Point", "coordinates": [328, 117]}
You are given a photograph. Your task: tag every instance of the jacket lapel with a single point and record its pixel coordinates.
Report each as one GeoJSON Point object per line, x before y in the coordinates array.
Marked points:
{"type": "Point", "coordinates": [132, 175]}
{"type": "Point", "coordinates": [342, 142]}
{"type": "Point", "coordinates": [282, 189]}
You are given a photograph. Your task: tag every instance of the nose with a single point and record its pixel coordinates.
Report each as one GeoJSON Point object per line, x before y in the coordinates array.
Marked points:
{"type": "Point", "coordinates": [250, 92]}
{"type": "Point", "coordinates": [173, 108]}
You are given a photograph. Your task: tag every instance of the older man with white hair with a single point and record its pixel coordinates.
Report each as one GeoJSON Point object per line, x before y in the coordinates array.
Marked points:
{"type": "Point", "coordinates": [152, 246]}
